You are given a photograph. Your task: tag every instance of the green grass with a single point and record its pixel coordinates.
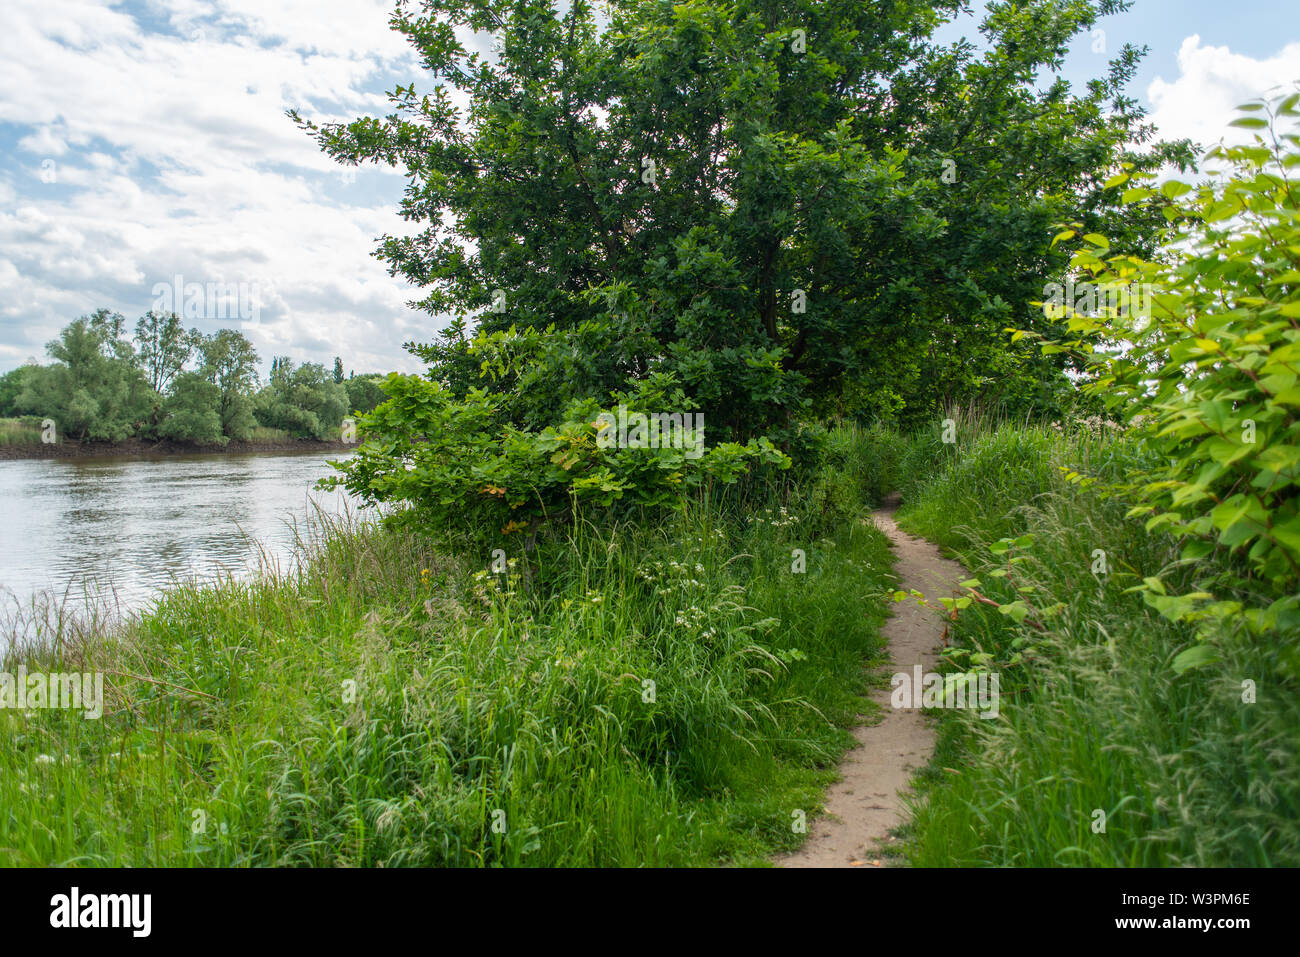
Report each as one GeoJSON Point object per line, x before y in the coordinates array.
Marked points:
{"type": "Point", "coordinates": [230, 737]}
{"type": "Point", "coordinates": [21, 431]}
{"type": "Point", "coordinates": [1093, 718]}
{"type": "Point", "coordinates": [475, 695]}
{"type": "Point", "coordinates": [264, 433]}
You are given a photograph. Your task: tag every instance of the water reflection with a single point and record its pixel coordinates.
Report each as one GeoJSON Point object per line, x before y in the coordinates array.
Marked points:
{"type": "Point", "coordinates": [131, 526]}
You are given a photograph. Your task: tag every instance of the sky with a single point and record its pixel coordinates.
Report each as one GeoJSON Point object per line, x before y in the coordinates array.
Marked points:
{"type": "Point", "coordinates": [144, 148]}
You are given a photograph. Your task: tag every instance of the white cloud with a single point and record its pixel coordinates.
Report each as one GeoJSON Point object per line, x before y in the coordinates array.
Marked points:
{"type": "Point", "coordinates": [148, 140]}
{"type": "Point", "coordinates": [1200, 103]}
{"type": "Point", "coordinates": [152, 142]}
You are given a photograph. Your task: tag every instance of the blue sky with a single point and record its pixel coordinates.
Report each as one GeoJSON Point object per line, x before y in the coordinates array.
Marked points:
{"type": "Point", "coordinates": [143, 143]}
{"type": "Point", "coordinates": [1258, 29]}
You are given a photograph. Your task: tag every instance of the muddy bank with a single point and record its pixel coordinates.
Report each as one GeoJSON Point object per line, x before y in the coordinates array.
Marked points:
{"type": "Point", "coordinates": [143, 448]}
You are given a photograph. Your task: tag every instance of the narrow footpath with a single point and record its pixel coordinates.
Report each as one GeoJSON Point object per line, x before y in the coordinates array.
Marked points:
{"type": "Point", "coordinates": [867, 802]}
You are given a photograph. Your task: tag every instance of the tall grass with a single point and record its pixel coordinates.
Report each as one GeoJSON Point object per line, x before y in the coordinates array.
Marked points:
{"type": "Point", "coordinates": [21, 431]}
{"type": "Point", "coordinates": [264, 433]}
{"type": "Point", "coordinates": [668, 692]}
{"type": "Point", "coordinates": [1093, 719]}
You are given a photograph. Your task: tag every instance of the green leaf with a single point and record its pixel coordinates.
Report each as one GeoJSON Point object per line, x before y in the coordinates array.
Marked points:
{"type": "Point", "coordinates": [1194, 657]}
{"type": "Point", "coordinates": [1018, 611]}
{"type": "Point", "coordinates": [1238, 519]}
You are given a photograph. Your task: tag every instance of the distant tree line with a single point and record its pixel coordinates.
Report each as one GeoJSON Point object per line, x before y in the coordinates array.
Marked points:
{"type": "Point", "coordinates": [169, 382]}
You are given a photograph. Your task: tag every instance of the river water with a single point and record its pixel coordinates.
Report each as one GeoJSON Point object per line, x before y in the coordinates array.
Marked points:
{"type": "Point", "coordinates": [114, 531]}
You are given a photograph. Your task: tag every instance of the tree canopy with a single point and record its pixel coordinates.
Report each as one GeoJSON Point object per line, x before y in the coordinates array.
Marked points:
{"type": "Point", "coordinates": [774, 207]}
{"type": "Point", "coordinates": [172, 383]}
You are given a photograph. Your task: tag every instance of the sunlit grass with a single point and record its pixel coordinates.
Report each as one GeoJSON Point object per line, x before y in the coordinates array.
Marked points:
{"type": "Point", "coordinates": [666, 692]}
{"type": "Point", "coordinates": [1096, 721]}
{"type": "Point", "coordinates": [264, 433]}
{"type": "Point", "coordinates": [22, 431]}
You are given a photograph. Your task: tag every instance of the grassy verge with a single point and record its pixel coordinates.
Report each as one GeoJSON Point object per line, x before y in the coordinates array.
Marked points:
{"type": "Point", "coordinates": [20, 432]}
{"type": "Point", "coordinates": [662, 694]}
{"type": "Point", "coordinates": [263, 433]}
{"type": "Point", "coordinates": [1093, 720]}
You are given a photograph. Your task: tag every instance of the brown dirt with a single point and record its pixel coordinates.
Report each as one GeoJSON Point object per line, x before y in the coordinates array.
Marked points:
{"type": "Point", "coordinates": [867, 802]}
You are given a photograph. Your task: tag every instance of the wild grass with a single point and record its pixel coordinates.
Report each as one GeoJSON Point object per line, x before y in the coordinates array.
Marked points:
{"type": "Point", "coordinates": [264, 433]}
{"type": "Point", "coordinates": [667, 692]}
{"type": "Point", "coordinates": [20, 431]}
{"type": "Point", "coordinates": [1093, 720]}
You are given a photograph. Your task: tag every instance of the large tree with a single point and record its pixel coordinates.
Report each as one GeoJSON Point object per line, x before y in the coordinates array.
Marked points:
{"type": "Point", "coordinates": [163, 347]}
{"type": "Point", "coordinates": [758, 209]}
{"type": "Point", "coordinates": [766, 198]}
{"type": "Point", "coordinates": [229, 362]}
{"type": "Point", "coordinates": [93, 389]}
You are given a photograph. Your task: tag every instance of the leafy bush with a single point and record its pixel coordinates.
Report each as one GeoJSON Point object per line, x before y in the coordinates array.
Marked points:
{"type": "Point", "coordinates": [462, 460]}
{"type": "Point", "coordinates": [304, 401]}
{"type": "Point", "coordinates": [93, 390]}
{"type": "Point", "coordinates": [190, 412]}
{"type": "Point", "coordinates": [859, 466]}
{"type": "Point", "coordinates": [364, 391]}
{"type": "Point", "coordinates": [1212, 380]}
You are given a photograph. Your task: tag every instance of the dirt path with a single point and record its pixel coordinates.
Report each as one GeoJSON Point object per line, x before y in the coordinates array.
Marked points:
{"type": "Point", "coordinates": [866, 803]}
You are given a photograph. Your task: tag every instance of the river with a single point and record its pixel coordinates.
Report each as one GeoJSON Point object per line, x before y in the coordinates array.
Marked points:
{"type": "Point", "coordinates": [115, 531]}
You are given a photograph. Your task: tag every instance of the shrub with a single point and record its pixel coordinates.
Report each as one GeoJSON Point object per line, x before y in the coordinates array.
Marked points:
{"type": "Point", "coordinates": [1212, 381]}
{"type": "Point", "coordinates": [460, 460]}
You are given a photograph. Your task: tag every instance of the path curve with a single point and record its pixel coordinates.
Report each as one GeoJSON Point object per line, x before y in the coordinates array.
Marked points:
{"type": "Point", "coordinates": [867, 802]}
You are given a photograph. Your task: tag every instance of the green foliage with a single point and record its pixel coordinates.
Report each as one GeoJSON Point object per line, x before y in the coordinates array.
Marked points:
{"type": "Point", "coordinates": [11, 385]}
{"type": "Point", "coordinates": [1213, 380]}
{"type": "Point", "coordinates": [956, 478]}
{"type": "Point", "coordinates": [858, 465]}
{"type": "Point", "coordinates": [93, 390]}
{"type": "Point", "coordinates": [460, 459]}
{"type": "Point", "coordinates": [752, 198]}
{"type": "Point", "coordinates": [230, 363]}
{"type": "Point", "coordinates": [190, 412]}
{"type": "Point", "coordinates": [163, 347]}
{"type": "Point", "coordinates": [662, 696]}
{"type": "Point", "coordinates": [1190, 769]}
{"type": "Point", "coordinates": [306, 401]}
{"type": "Point", "coordinates": [178, 385]}
{"type": "Point", "coordinates": [364, 391]}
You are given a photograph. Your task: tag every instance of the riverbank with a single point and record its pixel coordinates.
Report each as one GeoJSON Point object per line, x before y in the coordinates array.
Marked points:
{"type": "Point", "coordinates": [671, 692]}
{"type": "Point", "coordinates": [138, 448]}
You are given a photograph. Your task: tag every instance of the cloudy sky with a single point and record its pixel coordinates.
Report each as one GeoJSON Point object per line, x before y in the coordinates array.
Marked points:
{"type": "Point", "coordinates": [144, 142]}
